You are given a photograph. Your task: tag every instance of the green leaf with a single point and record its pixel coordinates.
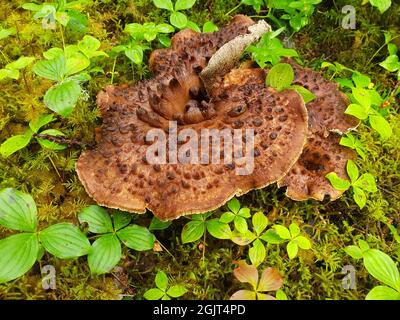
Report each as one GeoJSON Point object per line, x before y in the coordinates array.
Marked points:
{"type": "Point", "coordinates": [359, 197]}
{"type": "Point", "coordinates": [21, 63]}
{"type": "Point", "coordinates": [62, 18]}
{"type": "Point", "coordinates": [234, 205]}
{"type": "Point", "coordinates": [383, 293]}
{"type": "Point", "coordinates": [352, 171]}
{"type": "Point", "coordinates": [54, 69]}
{"type": "Point", "coordinates": [303, 242]}
{"type": "Point", "coordinates": [161, 280]}
{"type": "Point", "coordinates": [282, 231]}
{"type": "Point", "coordinates": [192, 231]}
{"type": "Point", "coordinates": [364, 246]}
{"type": "Point", "coordinates": [380, 124]}
{"type": "Point", "coordinates": [4, 33]}
{"type": "Point", "coordinates": [164, 40]}
{"type": "Point", "coordinates": [65, 241]}
{"type": "Point", "coordinates": [294, 230]}
{"type": "Point", "coordinates": [382, 268]}
{"type": "Point", "coordinates": [281, 295]}
{"type": "Point", "coordinates": [135, 54]}
{"type": "Point", "coordinates": [32, 6]}
{"type": "Point", "coordinates": [209, 26]}
{"type": "Point", "coordinates": [257, 252]}
{"type": "Point", "coordinates": [76, 63]}
{"type": "Point", "coordinates": [260, 222]}
{"type": "Point", "coordinates": [18, 254]}
{"type": "Point", "coordinates": [382, 5]}
{"type": "Point", "coordinates": [184, 4]}
{"type": "Point", "coordinates": [218, 229]}
{"type": "Point", "coordinates": [244, 212]}
{"type": "Point", "coordinates": [40, 122]}
{"type": "Point", "coordinates": [354, 252]}
{"type": "Point", "coordinates": [9, 73]}
{"type": "Point", "coordinates": [306, 94]}
{"type": "Point", "coordinates": [178, 19]}
{"type": "Point", "coordinates": [337, 182]}
{"type": "Point", "coordinates": [391, 63]}
{"type": "Point", "coordinates": [17, 210]}
{"type": "Point", "coordinates": [280, 76]}
{"type": "Point", "coordinates": [121, 219]}
{"type": "Point", "coordinates": [15, 143]}
{"type": "Point", "coordinates": [292, 249]}
{"type": "Point", "coordinates": [137, 237]}
{"type": "Point", "coordinates": [45, 143]}
{"type": "Point", "coordinates": [227, 217]}
{"type": "Point", "coordinates": [54, 53]}
{"type": "Point", "coordinates": [240, 224]}
{"type": "Point", "coordinates": [362, 96]}
{"type": "Point", "coordinates": [164, 4]}
{"type": "Point", "coordinates": [105, 254]}
{"type": "Point", "coordinates": [357, 111]}
{"type": "Point", "coordinates": [153, 294]}
{"type": "Point", "coordinates": [176, 291]}
{"type": "Point", "coordinates": [97, 218]}
{"type": "Point", "coordinates": [165, 28]}
{"type": "Point", "coordinates": [361, 80]}
{"type": "Point", "coordinates": [271, 236]}
{"type": "Point", "coordinates": [157, 224]}
{"type": "Point", "coordinates": [367, 183]}
{"type": "Point", "coordinates": [89, 46]}
{"type": "Point", "coordinates": [192, 25]}
{"type": "Point", "coordinates": [243, 239]}
{"type": "Point", "coordinates": [243, 295]}
{"type": "Point", "coordinates": [63, 97]}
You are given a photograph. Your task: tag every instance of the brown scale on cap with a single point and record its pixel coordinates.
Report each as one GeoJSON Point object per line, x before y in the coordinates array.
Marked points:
{"type": "Point", "coordinates": [117, 173]}
{"type": "Point", "coordinates": [322, 153]}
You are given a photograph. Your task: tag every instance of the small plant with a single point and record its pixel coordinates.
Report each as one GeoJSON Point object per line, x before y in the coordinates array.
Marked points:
{"type": "Point", "coordinates": [66, 67]}
{"type": "Point", "coordinates": [382, 5]}
{"type": "Point", "coordinates": [20, 251]}
{"type": "Point", "coordinates": [392, 63]}
{"type": "Point", "coordinates": [18, 142]}
{"type": "Point", "coordinates": [5, 33]}
{"type": "Point", "coordinates": [236, 214]}
{"type": "Point", "coordinates": [177, 18]}
{"type": "Point", "coordinates": [163, 291]}
{"type": "Point", "coordinates": [12, 69]}
{"type": "Point", "coordinates": [350, 141]}
{"type": "Point", "coordinates": [106, 249]}
{"type": "Point", "coordinates": [381, 267]}
{"type": "Point", "coordinates": [270, 281]}
{"type": "Point", "coordinates": [360, 184]}
{"type": "Point", "coordinates": [209, 26]}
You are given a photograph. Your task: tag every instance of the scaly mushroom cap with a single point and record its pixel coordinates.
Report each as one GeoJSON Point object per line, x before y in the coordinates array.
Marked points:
{"type": "Point", "coordinates": [322, 153]}
{"type": "Point", "coordinates": [117, 173]}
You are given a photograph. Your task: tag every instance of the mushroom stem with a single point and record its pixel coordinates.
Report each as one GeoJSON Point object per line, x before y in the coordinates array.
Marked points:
{"type": "Point", "coordinates": [226, 58]}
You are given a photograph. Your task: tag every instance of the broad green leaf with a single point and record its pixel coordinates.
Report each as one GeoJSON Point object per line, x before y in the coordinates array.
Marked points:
{"type": "Point", "coordinates": [21, 63]}
{"type": "Point", "coordinates": [292, 249]}
{"type": "Point", "coordinates": [246, 273]}
{"type": "Point", "coordinates": [270, 280]}
{"type": "Point", "coordinates": [359, 197]}
{"type": "Point", "coordinates": [354, 252]}
{"type": "Point", "coordinates": [178, 19]}
{"type": "Point", "coordinates": [380, 124]}
{"type": "Point", "coordinates": [15, 143]}
{"type": "Point", "coordinates": [280, 76]}
{"type": "Point", "coordinates": [227, 217]}
{"type": "Point", "coordinates": [9, 73]}
{"type": "Point", "coordinates": [17, 210]}
{"type": "Point", "coordinates": [184, 4]}
{"type": "Point", "coordinates": [243, 239]}
{"type": "Point", "coordinates": [306, 94]}
{"type": "Point", "coordinates": [45, 143]}
{"type": "Point", "coordinates": [18, 254]}
{"type": "Point", "coordinates": [89, 45]}
{"type": "Point", "coordinates": [161, 280]}
{"type": "Point", "coordinates": [367, 183]}
{"type": "Point", "coordinates": [337, 182]}
{"type": "Point", "coordinates": [135, 54]}
{"type": "Point", "coordinates": [164, 40]}
{"type": "Point", "coordinates": [234, 205]}
{"type": "Point", "coordinates": [105, 254]}
{"type": "Point", "coordinates": [257, 253]}
{"type": "Point", "coordinates": [260, 222]}
{"type": "Point", "coordinates": [165, 28]}
{"type": "Point", "coordinates": [240, 224]}
{"type": "Point", "coordinates": [97, 218]}
{"type": "Point", "coordinates": [271, 236]}
{"type": "Point", "coordinates": [54, 69]}
{"type": "Point", "coordinates": [282, 231]}
{"type": "Point", "coordinates": [4, 33]}
{"type": "Point", "coordinates": [137, 237]}
{"type": "Point", "coordinates": [153, 294]}
{"type": "Point", "coordinates": [383, 293]}
{"type": "Point", "coordinates": [364, 246]}
{"type": "Point", "coordinates": [382, 267]}
{"type": "Point", "coordinates": [361, 80]}
{"type": "Point", "coordinates": [392, 48]}
{"type": "Point", "coordinates": [63, 97]}
{"type": "Point", "coordinates": [40, 122]}
{"type": "Point", "coordinates": [76, 63]}
{"type": "Point", "coordinates": [391, 63]}
{"type": "Point", "coordinates": [121, 219]}
{"type": "Point", "coordinates": [192, 231]}
{"type": "Point", "coordinates": [243, 295]}
{"type": "Point", "coordinates": [176, 291]}
{"type": "Point", "coordinates": [62, 18]}
{"type": "Point", "coordinates": [382, 5]}
{"type": "Point", "coordinates": [164, 4]}
{"type": "Point", "coordinates": [357, 111]}
{"type": "Point", "coordinates": [294, 230]}
{"type": "Point", "coordinates": [209, 26]}
{"type": "Point", "coordinates": [53, 53]}
{"type": "Point", "coordinates": [362, 96]}
{"type": "Point", "coordinates": [65, 241]}
{"type": "Point", "coordinates": [352, 171]}
{"type": "Point", "coordinates": [303, 242]}
{"type": "Point", "coordinates": [218, 229]}
{"type": "Point", "coordinates": [165, 297]}
{"type": "Point", "coordinates": [157, 224]}
{"type": "Point", "coordinates": [192, 25]}
{"type": "Point", "coordinates": [244, 212]}
{"type": "Point", "coordinates": [281, 295]}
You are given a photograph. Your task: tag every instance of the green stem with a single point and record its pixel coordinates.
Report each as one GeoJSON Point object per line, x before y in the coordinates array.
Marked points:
{"type": "Point", "coordinates": [385, 44]}
{"type": "Point", "coordinates": [5, 56]}
{"type": "Point", "coordinates": [234, 9]}
{"type": "Point", "coordinates": [113, 70]}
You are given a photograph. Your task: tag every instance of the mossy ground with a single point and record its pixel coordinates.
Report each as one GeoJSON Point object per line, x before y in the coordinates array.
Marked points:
{"type": "Point", "coordinates": [50, 177]}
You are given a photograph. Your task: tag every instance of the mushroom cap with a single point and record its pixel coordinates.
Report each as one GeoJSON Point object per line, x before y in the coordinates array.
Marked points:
{"type": "Point", "coordinates": [322, 153]}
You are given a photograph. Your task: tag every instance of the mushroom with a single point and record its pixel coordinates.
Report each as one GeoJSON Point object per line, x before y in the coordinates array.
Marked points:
{"type": "Point", "coordinates": [119, 174]}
